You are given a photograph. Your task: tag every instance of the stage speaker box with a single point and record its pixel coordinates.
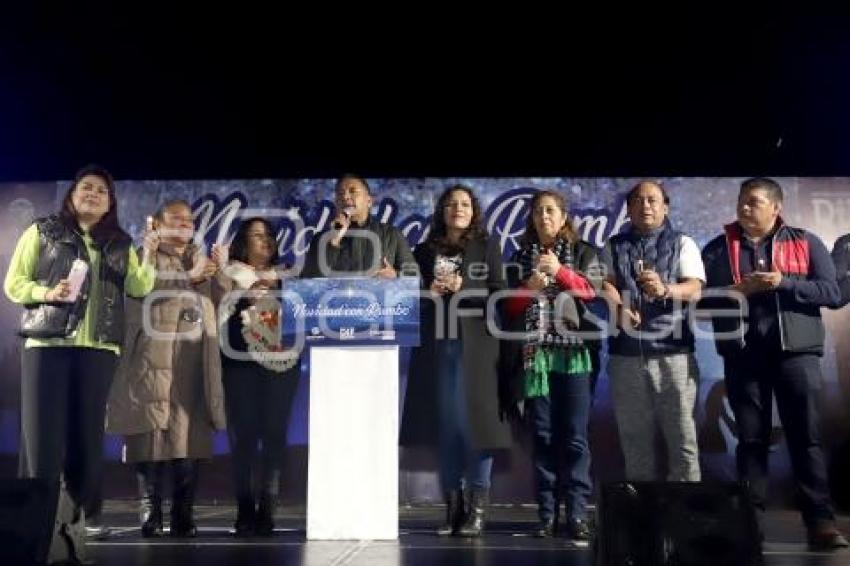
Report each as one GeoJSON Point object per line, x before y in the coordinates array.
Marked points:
{"type": "Point", "coordinates": [683, 524]}
{"type": "Point", "coordinates": [38, 524]}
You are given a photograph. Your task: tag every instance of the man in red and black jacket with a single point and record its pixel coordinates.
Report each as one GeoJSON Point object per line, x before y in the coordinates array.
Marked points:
{"type": "Point", "coordinates": [773, 346]}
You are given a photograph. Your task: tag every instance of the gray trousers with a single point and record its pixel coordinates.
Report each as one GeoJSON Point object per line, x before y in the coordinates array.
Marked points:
{"type": "Point", "coordinates": [656, 391]}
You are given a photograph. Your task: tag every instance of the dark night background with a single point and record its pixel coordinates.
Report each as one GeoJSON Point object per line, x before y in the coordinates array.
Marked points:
{"type": "Point", "coordinates": [232, 94]}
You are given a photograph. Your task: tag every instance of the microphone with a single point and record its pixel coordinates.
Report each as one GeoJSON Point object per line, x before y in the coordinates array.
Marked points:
{"type": "Point", "coordinates": [347, 213]}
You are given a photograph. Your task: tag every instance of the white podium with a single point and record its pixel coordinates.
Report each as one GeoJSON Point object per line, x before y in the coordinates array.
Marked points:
{"type": "Point", "coordinates": [352, 477]}
{"type": "Point", "coordinates": [352, 329]}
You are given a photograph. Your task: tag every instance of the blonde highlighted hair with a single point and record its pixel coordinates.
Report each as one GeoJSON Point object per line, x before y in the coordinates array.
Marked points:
{"type": "Point", "coordinates": [567, 231]}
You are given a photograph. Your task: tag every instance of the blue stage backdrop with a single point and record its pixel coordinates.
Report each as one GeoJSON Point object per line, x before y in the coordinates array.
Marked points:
{"type": "Point", "coordinates": [300, 208]}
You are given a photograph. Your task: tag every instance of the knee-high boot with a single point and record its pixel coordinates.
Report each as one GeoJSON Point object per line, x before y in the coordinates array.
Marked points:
{"type": "Point", "coordinates": [185, 476]}
{"type": "Point", "coordinates": [268, 502]}
{"type": "Point", "coordinates": [149, 479]}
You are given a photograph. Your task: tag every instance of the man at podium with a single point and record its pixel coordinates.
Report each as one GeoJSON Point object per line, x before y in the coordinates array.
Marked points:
{"type": "Point", "coordinates": [357, 243]}
{"type": "Point", "coordinates": [354, 266]}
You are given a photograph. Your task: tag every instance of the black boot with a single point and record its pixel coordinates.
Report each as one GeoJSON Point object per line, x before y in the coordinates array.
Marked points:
{"type": "Point", "coordinates": [149, 478]}
{"type": "Point", "coordinates": [454, 513]}
{"type": "Point", "coordinates": [476, 517]}
{"type": "Point", "coordinates": [268, 497]}
{"type": "Point", "coordinates": [546, 528]}
{"type": "Point", "coordinates": [246, 518]}
{"type": "Point", "coordinates": [185, 475]}
{"type": "Point", "coordinates": [548, 525]}
{"type": "Point", "coordinates": [265, 515]}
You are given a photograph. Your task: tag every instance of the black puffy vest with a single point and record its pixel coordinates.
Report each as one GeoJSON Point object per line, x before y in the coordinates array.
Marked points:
{"type": "Point", "coordinates": [59, 246]}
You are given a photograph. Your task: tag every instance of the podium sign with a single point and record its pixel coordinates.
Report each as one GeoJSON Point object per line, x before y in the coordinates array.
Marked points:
{"type": "Point", "coordinates": [351, 310]}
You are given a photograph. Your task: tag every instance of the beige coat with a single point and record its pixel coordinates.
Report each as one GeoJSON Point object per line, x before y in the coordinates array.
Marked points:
{"type": "Point", "coordinates": [140, 398]}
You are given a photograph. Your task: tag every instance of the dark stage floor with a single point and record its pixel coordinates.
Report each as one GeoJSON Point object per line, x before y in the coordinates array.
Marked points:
{"type": "Point", "coordinates": [506, 542]}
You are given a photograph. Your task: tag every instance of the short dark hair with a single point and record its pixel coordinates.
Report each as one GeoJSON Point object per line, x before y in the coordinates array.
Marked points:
{"type": "Point", "coordinates": [771, 187]}
{"type": "Point", "coordinates": [352, 177]}
{"type": "Point", "coordinates": [633, 191]}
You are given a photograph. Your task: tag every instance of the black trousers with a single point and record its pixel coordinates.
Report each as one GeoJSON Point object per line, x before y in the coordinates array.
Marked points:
{"type": "Point", "coordinates": [258, 402]}
{"type": "Point", "coordinates": [63, 405]}
{"type": "Point", "coordinates": [752, 378]}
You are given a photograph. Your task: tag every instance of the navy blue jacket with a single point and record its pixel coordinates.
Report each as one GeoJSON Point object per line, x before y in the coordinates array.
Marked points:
{"type": "Point", "coordinates": [808, 283]}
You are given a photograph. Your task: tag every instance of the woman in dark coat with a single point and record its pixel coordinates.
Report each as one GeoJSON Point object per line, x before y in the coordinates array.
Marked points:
{"type": "Point", "coordinates": [452, 395]}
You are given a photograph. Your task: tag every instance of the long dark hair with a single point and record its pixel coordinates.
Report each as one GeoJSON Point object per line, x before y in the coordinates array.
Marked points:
{"type": "Point", "coordinates": [438, 237]}
{"type": "Point", "coordinates": [567, 231]}
{"type": "Point", "coordinates": [107, 228]}
{"type": "Point", "coordinates": [239, 246]}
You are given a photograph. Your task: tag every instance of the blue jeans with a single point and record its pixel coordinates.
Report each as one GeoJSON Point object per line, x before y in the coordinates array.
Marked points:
{"type": "Point", "coordinates": [561, 451]}
{"type": "Point", "coordinates": [461, 464]}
